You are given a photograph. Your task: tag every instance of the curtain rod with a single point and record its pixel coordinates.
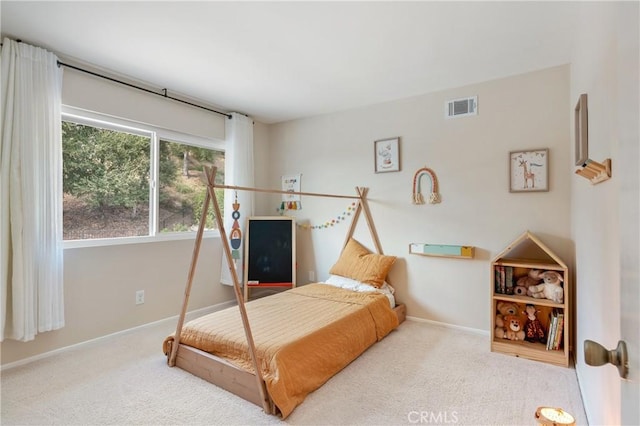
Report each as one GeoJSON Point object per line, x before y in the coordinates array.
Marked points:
{"type": "Point", "coordinates": [164, 94]}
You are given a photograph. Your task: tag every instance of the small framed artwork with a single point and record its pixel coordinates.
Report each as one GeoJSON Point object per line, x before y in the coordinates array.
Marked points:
{"type": "Point", "coordinates": [529, 170]}
{"type": "Point", "coordinates": [581, 130]}
{"type": "Point", "coordinates": [387, 155]}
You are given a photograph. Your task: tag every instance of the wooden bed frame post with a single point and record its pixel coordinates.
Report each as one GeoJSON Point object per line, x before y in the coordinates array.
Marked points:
{"type": "Point", "coordinates": [211, 196]}
{"type": "Point", "coordinates": [367, 215]}
{"type": "Point", "coordinates": [187, 291]}
{"type": "Point", "coordinates": [262, 388]}
{"type": "Point", "coordinates": [361, 207]}
{"type": "Point", "coordinates": [354, 219]}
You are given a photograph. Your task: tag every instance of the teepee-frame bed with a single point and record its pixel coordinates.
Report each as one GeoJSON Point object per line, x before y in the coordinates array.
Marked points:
{"type": "Point", "coordinates": [214, 369]}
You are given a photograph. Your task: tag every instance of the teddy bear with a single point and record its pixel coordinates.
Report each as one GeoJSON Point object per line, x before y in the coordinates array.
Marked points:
{"type": "Point", "coordinates": [551, 288]}
{"type": "Point", "coordinates": [503, 309]}
{"type": "Point", "coordinates": [513, 329]}
{"type": "Point", "coordinates": [523, 283]}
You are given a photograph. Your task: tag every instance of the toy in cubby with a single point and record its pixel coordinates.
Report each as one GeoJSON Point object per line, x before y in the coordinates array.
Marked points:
{"type": "Point", "coordinates": [551, 287]}
{"type": "Point", "coordinates": [523, 283]}
{"type": "Point", "coordinates": [533, 329]}
{"type": "Point", "coordinates": [541, 285]}
{"type": "Point", "coordinates": [520, 322]}
{"type": "Point", "coordinates": [509, 321]}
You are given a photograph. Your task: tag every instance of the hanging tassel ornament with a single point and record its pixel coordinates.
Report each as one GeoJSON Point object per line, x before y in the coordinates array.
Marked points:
{"type": "Point", "coordinates": [235, 238]}
{"type": "Point", "coordinates": [289, 205]}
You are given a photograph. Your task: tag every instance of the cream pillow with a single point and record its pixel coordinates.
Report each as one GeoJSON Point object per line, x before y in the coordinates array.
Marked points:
{"type": "Point", "coordinates": [358, 263]}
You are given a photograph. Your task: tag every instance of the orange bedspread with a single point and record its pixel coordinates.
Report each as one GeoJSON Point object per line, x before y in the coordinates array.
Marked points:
{"type": "Point", "coordinates": [303, 336]}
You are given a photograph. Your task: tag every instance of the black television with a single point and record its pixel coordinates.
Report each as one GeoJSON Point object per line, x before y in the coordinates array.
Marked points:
{"type": "Point", "coordinates": [270, 251]}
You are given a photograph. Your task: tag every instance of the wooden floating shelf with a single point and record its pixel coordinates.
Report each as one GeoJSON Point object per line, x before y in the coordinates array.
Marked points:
{"type": "Point", "coordinates": [595, 172]}
{"type": "Point", "coordinates": [440, 250]}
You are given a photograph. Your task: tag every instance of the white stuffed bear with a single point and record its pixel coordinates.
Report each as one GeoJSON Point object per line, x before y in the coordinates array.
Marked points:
{"type": "Point", "coordinates": [550, 289]}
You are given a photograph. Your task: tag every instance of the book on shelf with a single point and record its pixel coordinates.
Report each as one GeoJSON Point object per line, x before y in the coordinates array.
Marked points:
{"type": "Point", "coordinates": [551, 334]}
{"type": "Point", "coordinates": [556, 326]}
{"type": "Point", "coordinates": [508, 278]}
{"type": "Point", "coordinates": [499, 280]}
{"type": "Point", "coordinates": [559, 327]}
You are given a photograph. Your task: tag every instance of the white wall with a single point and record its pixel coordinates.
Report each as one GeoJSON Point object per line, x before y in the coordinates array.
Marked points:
{"type": "Point", "coordinates": [100, 282]}
{"type": "Point", "coordinates": [335, 153]}
{"type": "Point", "coordinates": [469, 155]}
{"type": "Point", "coordinates": [92, 93]}
{"type": "Point", "coordinates": [609, 76]}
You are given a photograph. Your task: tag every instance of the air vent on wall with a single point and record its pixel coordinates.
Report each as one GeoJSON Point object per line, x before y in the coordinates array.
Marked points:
{"type": "Point", "coordinates": [461, 107]}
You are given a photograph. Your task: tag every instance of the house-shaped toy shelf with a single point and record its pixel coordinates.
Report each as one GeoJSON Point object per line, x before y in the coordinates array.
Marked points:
{"type": "Point", "coordinates": [524, 254]}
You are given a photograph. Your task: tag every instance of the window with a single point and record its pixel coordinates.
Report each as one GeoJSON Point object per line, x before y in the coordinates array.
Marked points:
{"type": "Point", "coordinates": [109, 173]}
{"type": "Point", "coordinates": [105, 180]}
{"type": "Point", "coordinates": [182, 187]}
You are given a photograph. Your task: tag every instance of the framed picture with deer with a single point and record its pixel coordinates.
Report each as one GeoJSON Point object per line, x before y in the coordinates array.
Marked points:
{"type": "Point", "coordinates": [529, 170]}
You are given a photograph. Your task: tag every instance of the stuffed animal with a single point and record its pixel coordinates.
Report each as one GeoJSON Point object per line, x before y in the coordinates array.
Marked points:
{"type": "Point", "coordinates": [550, 289]}
{"type": "Point", "coordinates": [533, 329]}
{"type": "Point", "coordinates": [505, 308]}
{"type": "Point", "coordinates": [513, 329]}
{"type": "Point", "coordinates": [523, 283]}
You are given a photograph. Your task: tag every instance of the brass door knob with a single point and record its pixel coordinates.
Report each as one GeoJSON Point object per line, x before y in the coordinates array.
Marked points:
{"type": "Point", "coordinates": [595, 354]}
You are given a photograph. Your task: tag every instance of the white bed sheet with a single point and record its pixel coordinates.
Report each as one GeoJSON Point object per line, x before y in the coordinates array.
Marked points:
{"type": "Point", "coordinates": [349, 284]}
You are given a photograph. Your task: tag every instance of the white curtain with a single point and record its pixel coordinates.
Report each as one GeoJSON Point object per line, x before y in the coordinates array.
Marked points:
{"type": "Point", "coordinates": [31, 293]}
{"type": "Point", "coordinates": [239, 172]}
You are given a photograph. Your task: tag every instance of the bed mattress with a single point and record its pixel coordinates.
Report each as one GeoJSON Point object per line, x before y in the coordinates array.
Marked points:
{"type": "Point", "coordinates": [302, 336]}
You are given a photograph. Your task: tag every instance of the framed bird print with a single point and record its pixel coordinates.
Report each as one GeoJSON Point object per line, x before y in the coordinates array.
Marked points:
{"type": "Point", "coordinates": [387, 155]}
{"type": "Point", "coordinates": [529, 170]}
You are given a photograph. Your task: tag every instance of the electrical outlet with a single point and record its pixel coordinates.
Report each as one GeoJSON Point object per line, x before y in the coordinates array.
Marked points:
{"type": "Point", "coordinates": [312, 276]}
{"type": "Point", "coordinates": [139, 297]}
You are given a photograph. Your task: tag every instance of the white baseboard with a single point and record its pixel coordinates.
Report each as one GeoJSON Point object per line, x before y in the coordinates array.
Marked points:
{"type": "Point", "coordinates": [452, 326]}
{"type": "Point", "coordinates": [190, 315]}
{"type": "Point", "coordinates": [194, 314]}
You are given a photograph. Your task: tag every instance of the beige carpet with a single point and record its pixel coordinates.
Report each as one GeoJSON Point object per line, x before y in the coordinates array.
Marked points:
{"type": "Point", "coordinates": [419, 374]}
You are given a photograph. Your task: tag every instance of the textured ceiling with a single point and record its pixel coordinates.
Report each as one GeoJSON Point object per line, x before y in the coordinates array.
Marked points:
{"type": "Point", "coordinates": [278, 61]}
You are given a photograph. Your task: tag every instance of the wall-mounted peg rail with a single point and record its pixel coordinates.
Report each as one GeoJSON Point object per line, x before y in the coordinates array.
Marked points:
{"type": "Point", "coordinates": [595, 172]}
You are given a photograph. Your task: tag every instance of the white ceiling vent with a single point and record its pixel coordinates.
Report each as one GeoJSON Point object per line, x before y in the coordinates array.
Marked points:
{"type": "Point", "coordinates": [461, 107]}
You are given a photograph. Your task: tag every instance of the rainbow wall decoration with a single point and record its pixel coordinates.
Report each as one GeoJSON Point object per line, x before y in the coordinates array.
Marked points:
{"type": "Point", "coordinates": [434, 196]}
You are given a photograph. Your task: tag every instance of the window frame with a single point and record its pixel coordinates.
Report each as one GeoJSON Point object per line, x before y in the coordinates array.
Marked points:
{"type": "Point", "coordinates": [156, 134]}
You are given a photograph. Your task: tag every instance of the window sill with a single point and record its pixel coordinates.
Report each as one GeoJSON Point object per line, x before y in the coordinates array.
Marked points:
{"type": "Point", "coordinates": [173, 236]}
